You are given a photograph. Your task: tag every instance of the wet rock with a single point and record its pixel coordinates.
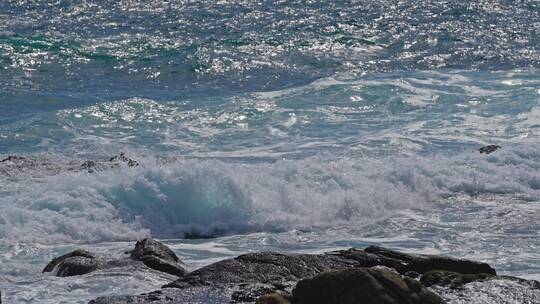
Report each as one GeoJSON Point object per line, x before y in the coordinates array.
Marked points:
{"type": "Point", "coordinates": [455, 280]}
{"type": "Point", "coordinates": [420, 263]}
{"type": "Point", "coordinates": [489, 149]}
{"type": "Point", "coordinates": [198, 294]}
{"type": "Point", "coordinates": [116, 161]}
{"type": "Point", "coordinates": [148, 255]}
{"type": "Point", "coordinates": [275, 268]}
{"type": "Point", "coordinates": [274, 298]}
{"type": "Point", "coordinates": [156, 255]}
{"type": "Point", "coordinates": [412, 274]}
{"type": "Point", "coordinates": [248, 278]}
{"type": "Point", "coordinates": [498, 289]}
{"type": "Point", "coordinates": [251, 292]}
{"type": "Point", "coordinates": [150, 247]}
{"type": "Point", "coordinates": [122, 158]}
{"type": "Point", "coordinates": [163, 265]}
{"type": "Point", "coordinates": [451, 279]}
{"type": "Point", "coordinates": [362, 285]}
{"type": "Point", "coordinates": [74, 263]}
{"type": "Point", "coordinates": [263, 267]}
{"type": "Point", "coordinates": [89, 166]}
{"type": "Point", "coordinates": [12, 158]}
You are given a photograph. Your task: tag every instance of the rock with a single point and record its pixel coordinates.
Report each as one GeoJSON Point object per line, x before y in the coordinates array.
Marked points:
{"type": "Point", "coordinates": [362, 285]}
{"type": "Point", "coordinates": [250, 292]}
{"type": "Point", "coordinates": [420, 263]}
{"type": "Point", "coordinates": [273, 298]}
{"type": "Point", "coordinates": [122, 158]}
{"type": "Point", "coordinates": [489, 149]}
{"type": "Point", "coordinates": [451, 279]}
{"type": "Point", "coordinates": [74, 263]}
{"type": "Point", "coordinates": [157, 256]}
{"type": "Point", "coordinates": [249, 277]}
{"type": "Point", "coordinates": [263, 267]}
{"type": "Point", "coordinates": [163, 265]}
{"type": "Point", "coordinates": [497, 289]}
{"type": "Point", "coordinates": [89, 166]}
{"type": "Point", "coordinates": [199, 294]}
{"type": "Point", "coordinates": [148, 254]}
{"type": "Point", "coordinates": [12, 158]}
{"type": "Point", "coordinates": [150, 247]}
{"type": "Point", "coordinates": [93, 166]}
{"type": "Point", "coordinates": [275, 268]}
{"type": "Point", "coordinates": [456, 280]}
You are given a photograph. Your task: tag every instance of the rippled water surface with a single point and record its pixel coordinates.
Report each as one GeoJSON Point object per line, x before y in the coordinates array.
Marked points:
{"type": "Point", "coordinates": [296, 126]}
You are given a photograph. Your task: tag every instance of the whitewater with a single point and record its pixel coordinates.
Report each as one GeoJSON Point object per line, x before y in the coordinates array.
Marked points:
{"type": "Point", "coordinates": [289, 126]}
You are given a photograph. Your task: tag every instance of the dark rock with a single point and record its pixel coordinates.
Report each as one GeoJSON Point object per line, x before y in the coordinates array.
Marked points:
{"type": "Point", "coordinates": [199, 294]}
{"type": "Point", "coordinates": [150, 247]}
{"type": "Point", "coordinates": [249, 277]}
{"type": "Point", "coordinates": [263, 267]}
{"type": "Point", "coordinates": [163, 265]}
{"type": "Point", "coordinates": [206, 234]}
{"type": "Point", "coordinates": [496, 289]}
{"type": "Point", "coordinates": [533, 284]}
{"type": "Point", "coordinates": [451, 279]}
{"type": "Point", "coordinates": [157, 256]}
{"type": "Point", "coordinates": [362, 285]}
{"type": "Point", "coordinates": [457, 280]}
{"type": "Point", "coordinates": [122, 158]}
{"type": "Point", "coordinates": [76, 265]}
{"type": "Point", "coordinates": [250, 292]}
{"type": "Point", "coordinates": [148, 254]}
{"type": "Point", "coordinates": [93, 166]}
{"type": "Point", "coordinates": [274, 298]}
{"type": "Point", "coordinates": [412, 274]}
{"type": "Point", "coordinates": [489, 149]}
{"type": "Point", "coordinates": [12, 158]}
{"type": "Point", "coordinates": [276, 268]}
{"type": "Point", "coordinates": [76, 253]}
{"type": "Point", "coordinates": [420, 263]}
{"type": "Point", "coordinates": [89, 165]}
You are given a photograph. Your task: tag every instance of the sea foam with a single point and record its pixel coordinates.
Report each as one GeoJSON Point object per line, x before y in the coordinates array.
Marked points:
{"type": "Point", "coordinates": [179, 197]}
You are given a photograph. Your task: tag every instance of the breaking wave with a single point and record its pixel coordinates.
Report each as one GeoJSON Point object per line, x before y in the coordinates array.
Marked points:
{"type": "Point", "coordinates": [185, 197]}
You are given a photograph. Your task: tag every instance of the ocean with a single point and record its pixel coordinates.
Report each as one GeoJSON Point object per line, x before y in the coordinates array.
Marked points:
{"type": "Point", "coordinates": [291, 126]}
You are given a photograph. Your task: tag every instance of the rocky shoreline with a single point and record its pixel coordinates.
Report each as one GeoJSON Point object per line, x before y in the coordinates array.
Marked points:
{"type": "Point", "coordinates": [370, 275]}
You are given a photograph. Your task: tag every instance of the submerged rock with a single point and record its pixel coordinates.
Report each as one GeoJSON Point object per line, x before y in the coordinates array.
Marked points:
{"type": "Point", "coordinates": [148, 252]}
{"type": "Point", "coordinates": [77, 262]}
{"type": "Point", "coordinates": [76, 265]}
{"type": "Point", "coordinates": [122, 158]}
{"type": "Point", "coordinates": [116, 161]}
{"type": "Point", "coordinates": [489, 149]}
{"type": "Point", "coordinates": [12, 158]}
{"type": "Point", "coordinates": [362, 285]}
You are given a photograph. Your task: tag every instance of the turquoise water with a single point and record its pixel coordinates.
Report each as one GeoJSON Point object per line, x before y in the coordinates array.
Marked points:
{"type": "Point", "coordinates": [285, 126]}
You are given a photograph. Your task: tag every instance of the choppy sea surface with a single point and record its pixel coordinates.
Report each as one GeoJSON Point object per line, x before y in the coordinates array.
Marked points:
{"type": "Point", "coordinates": [293, 126]}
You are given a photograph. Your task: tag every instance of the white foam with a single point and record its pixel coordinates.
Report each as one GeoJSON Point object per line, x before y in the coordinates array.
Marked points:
{"type": "Point", "coordinates": [212, 196]}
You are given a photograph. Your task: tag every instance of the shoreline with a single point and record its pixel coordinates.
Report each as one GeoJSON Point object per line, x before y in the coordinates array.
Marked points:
{"type": "Point", "coordinates": [251, 277]}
